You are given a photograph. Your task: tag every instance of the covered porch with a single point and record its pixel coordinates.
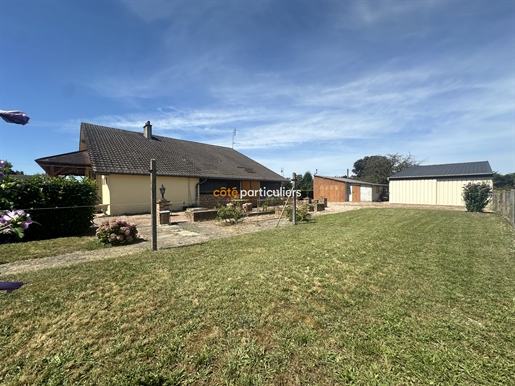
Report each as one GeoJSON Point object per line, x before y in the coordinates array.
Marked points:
{"type": "Point", "coordinates": [76, 163]}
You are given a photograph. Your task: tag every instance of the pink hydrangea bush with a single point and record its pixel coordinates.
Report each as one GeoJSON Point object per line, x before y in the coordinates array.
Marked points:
{"type": "Point", "coordinates": [117, 232]}
{"type": "Point", "coordinates": [13, 223]}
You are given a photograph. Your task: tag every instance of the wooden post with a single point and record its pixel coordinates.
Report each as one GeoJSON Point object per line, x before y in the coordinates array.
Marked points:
{"type": "Point", "coordinates": [294, 194]}
{"type": "Point", "coordinates": [153, 214]}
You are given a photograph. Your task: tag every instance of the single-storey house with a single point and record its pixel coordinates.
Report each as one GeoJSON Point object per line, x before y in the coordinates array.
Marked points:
{"type": "Point", "coordinates": [191, 172]}
{"type": "Point", "coordinates": [340, 189]}
{"type": "Point", "coordinates": [437, 184]}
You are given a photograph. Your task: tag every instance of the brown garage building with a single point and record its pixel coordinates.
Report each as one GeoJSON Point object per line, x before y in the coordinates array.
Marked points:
{"type": "Point", "coordinates": [341, 189]}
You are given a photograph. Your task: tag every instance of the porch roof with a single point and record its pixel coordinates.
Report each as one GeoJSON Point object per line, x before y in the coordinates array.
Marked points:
{"type": "Point", "coordinates": [74, 163]}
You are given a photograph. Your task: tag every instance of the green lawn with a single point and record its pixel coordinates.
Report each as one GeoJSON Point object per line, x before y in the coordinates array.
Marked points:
{"type": "Point", "coordinates": [45, 248]}
{"type": "Point", "coordinates": [367, 297]}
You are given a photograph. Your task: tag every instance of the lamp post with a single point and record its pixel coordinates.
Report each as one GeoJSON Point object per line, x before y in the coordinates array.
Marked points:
{"type": "Point", "coordinates": [164, 207]}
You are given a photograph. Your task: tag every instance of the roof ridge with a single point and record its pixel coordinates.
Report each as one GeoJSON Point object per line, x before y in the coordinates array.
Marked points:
{"type": "Point", "coordinates": [158, 136]}
{"type": "Point", "coordinates": [454, 163]}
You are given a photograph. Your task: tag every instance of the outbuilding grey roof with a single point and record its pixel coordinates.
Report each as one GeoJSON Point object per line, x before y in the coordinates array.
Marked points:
{"type": "Point", "coordinates": [465, 169]}
{"type": "Point", "coordinates": [116, 151]}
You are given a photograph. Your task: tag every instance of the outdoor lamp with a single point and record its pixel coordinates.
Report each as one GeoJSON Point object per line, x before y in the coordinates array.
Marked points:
{"type": "Point", "coordinates": [162, 189]}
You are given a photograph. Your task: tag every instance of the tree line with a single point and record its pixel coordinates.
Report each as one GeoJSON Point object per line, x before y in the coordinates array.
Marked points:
{"type": "Point", "coordinates": [504, 181]}
{"type": "Point", "coordinates": [8, 169]}
{"type": "Point", "coordinates": [377, 168]}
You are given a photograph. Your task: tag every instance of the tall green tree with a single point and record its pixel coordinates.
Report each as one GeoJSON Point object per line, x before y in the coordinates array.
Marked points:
{"type": "Point", "coordinates": [304, 183]}
{"type": "Point", "coordinates": [401, 162]}
{"type": "Point", "coordinates": [8, 169]}
{"type": "Point", "coordinates": [504, 181]}
{"type": "Point", "coordinates": [378, 168]}
{"type": "Point", "coordinates": [359, 167]}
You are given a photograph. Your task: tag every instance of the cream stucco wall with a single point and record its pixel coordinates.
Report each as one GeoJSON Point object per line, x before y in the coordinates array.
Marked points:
{"type": "Point", "coordinates": [105, 197]}
{"type": "Point", "coordinates": [430, 191]}
{"type": "Point", "coordinates": [131, 194]}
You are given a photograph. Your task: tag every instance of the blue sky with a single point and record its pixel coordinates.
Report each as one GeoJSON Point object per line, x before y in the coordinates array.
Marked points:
{"type": "Point", "coordinates": [307, 85]}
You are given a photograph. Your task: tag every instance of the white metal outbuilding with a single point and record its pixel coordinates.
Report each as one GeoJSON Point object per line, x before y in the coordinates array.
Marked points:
{"type": "Point", "coordinates": [437, 184]}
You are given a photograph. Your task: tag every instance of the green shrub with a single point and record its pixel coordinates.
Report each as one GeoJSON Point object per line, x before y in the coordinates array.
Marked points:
{"type": "Point", "coordinates": [58, 206]}
{"type": "Point", "coordinates": [477, 196]}
{"type": "Point", "coordinates": [117, 232]}
{"type": "Point", "coordinates": [230, 214]}
{"type": "Point", "coordinates": [301, 214]}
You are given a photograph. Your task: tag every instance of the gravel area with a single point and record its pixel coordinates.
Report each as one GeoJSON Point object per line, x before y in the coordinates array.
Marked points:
{"type": "Point", "coordinates": [179, 233]}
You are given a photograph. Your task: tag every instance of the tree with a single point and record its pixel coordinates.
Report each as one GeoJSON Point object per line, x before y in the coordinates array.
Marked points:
{"type": "Point", "coordinates": [359, 167]}
{"type": "Point", "coordinates": [304, 183]}
{"type": "Point", "coordinates": [401, 162]}
{"type": "Point", "coordinates": [378, 168]}
{"type": "Point", "coordinates": [506, 181]}
{"type": "Point", "coordinates": [8, 169]}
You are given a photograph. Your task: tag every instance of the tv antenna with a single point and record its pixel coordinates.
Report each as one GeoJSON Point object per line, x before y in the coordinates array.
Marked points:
{"type": "Point", "coordinates": [233, 135]}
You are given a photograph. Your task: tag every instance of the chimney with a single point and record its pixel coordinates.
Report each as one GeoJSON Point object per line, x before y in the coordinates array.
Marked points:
{"type": "Point", "coordinates": [147, 132]}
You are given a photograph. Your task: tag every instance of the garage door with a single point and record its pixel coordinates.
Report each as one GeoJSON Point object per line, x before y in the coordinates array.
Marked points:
{"type": "Point", "coordinates": [366, 194]}
{"type": "Point", "coordinates": [355, 193]}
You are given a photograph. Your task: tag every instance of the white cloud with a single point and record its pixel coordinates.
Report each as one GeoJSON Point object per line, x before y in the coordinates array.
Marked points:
{"type": "Point", "coordinates": [430, 91]}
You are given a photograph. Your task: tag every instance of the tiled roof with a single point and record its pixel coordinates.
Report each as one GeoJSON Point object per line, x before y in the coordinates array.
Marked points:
{"type": "Point", "coordinates": [74, 163]}
{"type": "Point", "coordinates": [127, 152]}
{"type": "Point", "coordinates": [76, 158]}
{"type": "Point", "coordinates": [467, 169]}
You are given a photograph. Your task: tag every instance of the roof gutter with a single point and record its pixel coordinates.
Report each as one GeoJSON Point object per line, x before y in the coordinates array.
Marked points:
{"type": "Point", "coordinates": [197, 191]}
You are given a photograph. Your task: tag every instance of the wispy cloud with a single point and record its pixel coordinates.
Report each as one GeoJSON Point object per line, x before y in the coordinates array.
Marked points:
{"type": "Point", "coordinates": [376, 106]}
{"type": "Point", "coordinates": [306, 85]}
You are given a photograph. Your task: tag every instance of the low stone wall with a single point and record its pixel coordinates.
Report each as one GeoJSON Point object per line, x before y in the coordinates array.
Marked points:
{"type": "Point", "coordinates": [319, 207]}
{"type": "Point", "coordinates": [195, 215]}
{"type": "Point", "coordinates": [314, 206]}
{"type": "Point", "coordinates": [201, 215]}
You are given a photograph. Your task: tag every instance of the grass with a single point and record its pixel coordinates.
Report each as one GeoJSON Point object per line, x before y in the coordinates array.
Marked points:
{"type": "Point", "coordinates": [10, 253]}
{"type": "Point", "coordinates": [367, 297]}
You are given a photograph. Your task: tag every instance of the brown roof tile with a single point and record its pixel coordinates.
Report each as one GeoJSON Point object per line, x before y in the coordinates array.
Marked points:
{"type": "Point", "coordinates": [127, 152]}
{"type": "Point", "coordinates": [76, 158]}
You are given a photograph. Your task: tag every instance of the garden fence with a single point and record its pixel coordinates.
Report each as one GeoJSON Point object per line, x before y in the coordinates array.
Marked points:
{"type": "Point", "coordinates": [503, 203]}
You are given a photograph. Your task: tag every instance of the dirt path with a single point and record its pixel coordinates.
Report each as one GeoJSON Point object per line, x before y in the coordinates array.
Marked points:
{"type": "Point", "coordinates": [179, 233]}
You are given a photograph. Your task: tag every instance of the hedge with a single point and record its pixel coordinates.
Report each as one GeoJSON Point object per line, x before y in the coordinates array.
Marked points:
{"type": "Point", "coordinates": [58, 206]}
